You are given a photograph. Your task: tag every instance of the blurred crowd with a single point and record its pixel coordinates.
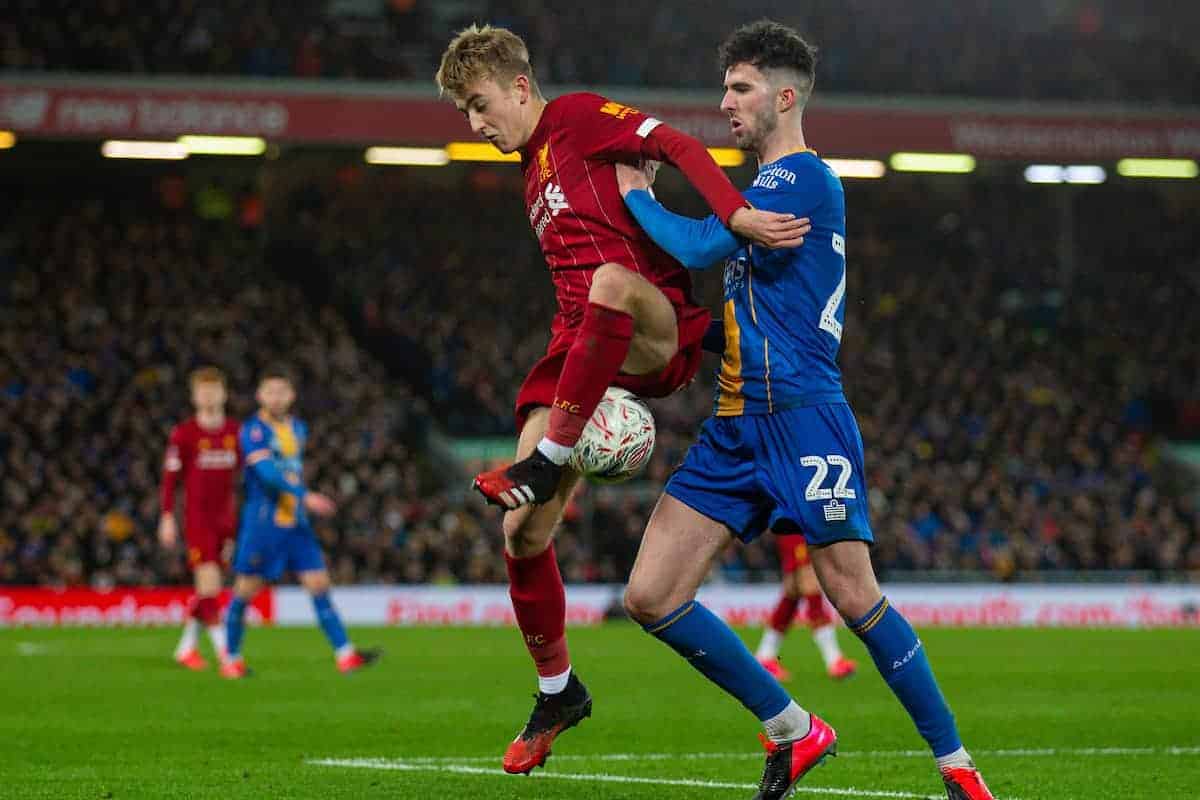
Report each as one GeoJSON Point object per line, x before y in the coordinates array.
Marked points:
{"type": "Point", "coordinates": [1009, 387]}
{"type": "Point", "coordinates": [108, 299]}
{"type": "Point", "coordinates": [1013, 389]}
{"type": "Point", "coordinates": [1094, 50]}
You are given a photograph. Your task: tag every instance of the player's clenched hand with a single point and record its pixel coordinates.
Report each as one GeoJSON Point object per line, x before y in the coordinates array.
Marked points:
{"type": "Point", "coordinates": [769, 228]}
{"type": "Point", "coordinates": [639, 177]}
{"type": "Point", "coordinates": [319, 504]}
{"type": "Point", "coordinates": [168, 531]}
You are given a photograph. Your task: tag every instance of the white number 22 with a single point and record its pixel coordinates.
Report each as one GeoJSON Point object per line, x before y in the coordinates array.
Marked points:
{"type": "Point", "coordinates": [839, 490]}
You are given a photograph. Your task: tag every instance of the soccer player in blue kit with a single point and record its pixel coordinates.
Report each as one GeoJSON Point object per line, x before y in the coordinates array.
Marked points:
{"type": "Point", "coordinates": [275, 533]}
{"type": "Point", "coordinates": [783, 444]}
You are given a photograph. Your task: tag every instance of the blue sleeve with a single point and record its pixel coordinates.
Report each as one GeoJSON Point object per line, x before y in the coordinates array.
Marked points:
{"type": "Point", "coordinates": [695, 243]}
{"type": "Point", "coordinates": [259, 459]}
{"type": "Point", "coordinates": [269, 473]}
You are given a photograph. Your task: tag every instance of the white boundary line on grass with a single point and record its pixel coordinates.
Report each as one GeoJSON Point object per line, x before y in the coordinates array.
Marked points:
{"type": "Point", "coordinates": [1005, 753]}
{"type": "Point", "coordinates": [596, 777]}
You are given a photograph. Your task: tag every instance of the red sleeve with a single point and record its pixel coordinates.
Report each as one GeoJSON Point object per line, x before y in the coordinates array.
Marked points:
{"type": "Point", "coordinates": [172, 468]}
{"type": "Point", "coordinates": [608, 130]}
{"type": "Point", "coordinates": [603, 129]}
{"type": "Point", "coordinates": [664, 143]}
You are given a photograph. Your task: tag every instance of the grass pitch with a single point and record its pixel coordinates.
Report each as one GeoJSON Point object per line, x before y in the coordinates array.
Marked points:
{"type": "Point", "coordinates": [1049, 715]}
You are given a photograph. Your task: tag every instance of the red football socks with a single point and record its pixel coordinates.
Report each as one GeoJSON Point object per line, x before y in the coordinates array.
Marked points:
{"type": "Point", "coordinates": [816, 610]}
{"type": "Point", "coordinates": [784, 613]}
{"type": "Point", "coordinates": [540, 603]}
{"type": "Point", "coordinates": [206, 610]}
{"type": "Point", "coordinates": [592, 364]}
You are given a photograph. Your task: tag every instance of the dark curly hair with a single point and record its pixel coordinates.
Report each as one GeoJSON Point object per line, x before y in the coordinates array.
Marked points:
{"type": "Point", "coordinates": [770, 45]}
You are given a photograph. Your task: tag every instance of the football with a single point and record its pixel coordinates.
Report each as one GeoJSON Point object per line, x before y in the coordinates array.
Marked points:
{"type": "Point", "coordinates": [618, 440]}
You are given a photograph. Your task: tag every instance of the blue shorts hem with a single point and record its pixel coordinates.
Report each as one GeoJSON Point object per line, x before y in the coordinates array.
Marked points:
{"type": "Point", "coordinates": [731, 527]}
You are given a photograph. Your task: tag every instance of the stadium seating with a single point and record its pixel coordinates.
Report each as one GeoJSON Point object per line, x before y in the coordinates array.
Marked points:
{"type": "Point", "coordinates": [981, 49]}
{"type": "Point", "coordinates": [1007, 430]}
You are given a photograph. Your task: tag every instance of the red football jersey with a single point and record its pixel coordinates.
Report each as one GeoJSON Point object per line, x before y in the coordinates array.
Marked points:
{"type": "Point", "coordinates": [208, 461]}
{"type": "Point", "coordinates": [575, 208]}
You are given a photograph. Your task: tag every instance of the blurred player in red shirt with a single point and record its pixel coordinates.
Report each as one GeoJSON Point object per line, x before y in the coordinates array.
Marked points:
{"type": "Point", "coordinates": [625, 316]}
{"type": "Point", "coordinates": [800, 582]}
{"type": "Point", "coordinates": [204, 451]}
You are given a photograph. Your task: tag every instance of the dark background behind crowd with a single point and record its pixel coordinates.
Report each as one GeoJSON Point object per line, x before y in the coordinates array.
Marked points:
{"type": "Point", "coordinates": [1013, 410]}
{"type": "Point", "coordinates": [1100, 50]}
{"type": "Point", "coordinates": [1018, 356]}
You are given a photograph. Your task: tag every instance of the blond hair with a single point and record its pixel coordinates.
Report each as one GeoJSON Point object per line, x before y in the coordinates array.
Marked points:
{"type": "Point", "coordinates": [477, 54]}
{"type": "Point", "coordinates": [207, 375]}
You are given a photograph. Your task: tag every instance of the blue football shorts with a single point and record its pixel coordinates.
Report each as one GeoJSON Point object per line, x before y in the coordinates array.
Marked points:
{"type": "Point", "coordinates": [802, 464]}
{"type": "Point", "coordinates": [268, 550]}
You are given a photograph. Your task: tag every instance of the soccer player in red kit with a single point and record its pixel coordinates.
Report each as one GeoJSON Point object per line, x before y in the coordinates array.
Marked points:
{"type": "Point", "coordinates": [625, 317]}
{"type": "Point", "coordinates": [800, 583]}
{"type": "Point", "coordinates": [203, 450]}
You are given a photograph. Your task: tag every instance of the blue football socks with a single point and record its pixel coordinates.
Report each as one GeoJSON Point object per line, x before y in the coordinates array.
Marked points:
{"type": "Point", "coordinates": [712, 647]}
{"type": "Point", "coordinates": [329, 621]}
{"type": "Point", "coordinates": [235, 626]}
{"type": "Point", "coordinates": [900, 657]}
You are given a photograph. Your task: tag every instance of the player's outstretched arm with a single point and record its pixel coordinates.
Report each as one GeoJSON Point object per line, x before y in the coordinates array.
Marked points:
{"type": "Point", "coordinates": [767, 228]}
{"type": "Point", "coordinates": [695, 243]}
{"type": "Point", "coordinates": [689, 156]}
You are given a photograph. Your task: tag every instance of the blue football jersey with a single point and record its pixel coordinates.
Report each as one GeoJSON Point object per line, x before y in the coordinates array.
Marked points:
{"type": "Point", "coordinates": [283, 442]}
{"type": "Point", "coordinates": [784, 309]}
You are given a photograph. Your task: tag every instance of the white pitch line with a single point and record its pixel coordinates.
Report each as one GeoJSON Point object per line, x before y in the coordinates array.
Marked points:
{"type": "Point", "coordinates": [1005, 753]}
{"type": "Point", "coordinates": [600, 777]}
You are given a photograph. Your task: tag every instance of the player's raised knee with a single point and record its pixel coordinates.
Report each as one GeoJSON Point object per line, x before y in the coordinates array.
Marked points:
{"type": "Point", "coordinates": [614, 286]}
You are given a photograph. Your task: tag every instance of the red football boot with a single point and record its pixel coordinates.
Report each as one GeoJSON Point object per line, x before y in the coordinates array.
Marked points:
{"type": "Point", "coordinates": [358, 659]}
{"type": "Point", "coordinates": [552, 714]}
{"type": "Point", "coordinates": [788, 762]}
{"type": "Point", "coordinates": [965, 783]}
{"type": "Point", "coordinates": [191, 659]}
{"type": "Point", "coordinates": [233, 670]}
{"type": "Point", "coordinates": [842, 668]}
{"type": "Point", "coordinates": [533, 480]}
{"type": "Point", "coordinates": [776, 669]}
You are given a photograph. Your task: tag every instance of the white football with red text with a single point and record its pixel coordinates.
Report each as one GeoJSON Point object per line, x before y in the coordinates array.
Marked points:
{"type": "Point", "coordinates": [618, 440]}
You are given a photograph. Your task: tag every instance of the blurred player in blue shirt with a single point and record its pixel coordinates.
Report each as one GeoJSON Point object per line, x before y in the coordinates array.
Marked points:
{"type": "Point", "coordinates": [275, 534]}
{"type": "Point", "coordinates": [783, 445]}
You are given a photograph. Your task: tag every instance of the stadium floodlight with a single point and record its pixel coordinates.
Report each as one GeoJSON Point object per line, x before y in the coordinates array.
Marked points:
{"type": "Point", "coordinates": [959, 163]}
{"type": "Point", "coordinates": [1158, 168]}
{"type": "Point", "coordinates": [7, 139]}
{"type": "Point", "coordinates": [1085, 173]}
{"type": "Point", "coordinates": [224, 145]}
{"type": "Point", "coordinates": [407, 156]}
{"type": "Point", "coordinates": [1076, 173]}
{"type": "Point", "coordinates": [159, 151]}
{"type": "Point", "coordinates": [1045, 173]}
{"type": "Point", "coordinates": [478, 151]}
{"type": "Point", "coordinates": [857, 167]}
{"type": "Point", "coordinates": [727, 156]}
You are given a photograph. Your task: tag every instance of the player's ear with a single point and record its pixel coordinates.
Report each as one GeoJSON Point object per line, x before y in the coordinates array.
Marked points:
{"type": "Point", "coordinates": [520, 85]}
{"type": "Point", "coordinates": [785, 99]}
